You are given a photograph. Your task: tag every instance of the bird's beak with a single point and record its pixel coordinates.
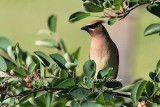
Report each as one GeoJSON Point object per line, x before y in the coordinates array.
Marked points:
{"type": "Point", "coordinates": [84, 28]}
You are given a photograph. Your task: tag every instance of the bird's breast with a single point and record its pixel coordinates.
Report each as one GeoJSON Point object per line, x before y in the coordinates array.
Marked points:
{"type": "Point", "coordinates": [99, 52]}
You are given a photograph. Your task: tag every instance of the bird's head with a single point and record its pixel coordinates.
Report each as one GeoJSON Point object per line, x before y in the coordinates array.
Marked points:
{"type": "Point", "coordinates": [94, 27]}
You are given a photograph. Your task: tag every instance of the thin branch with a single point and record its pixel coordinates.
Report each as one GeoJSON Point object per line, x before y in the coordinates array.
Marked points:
{"type": "Point", "coordinates": [63, 89]}
{"type": "Point", "coordinates": [122, 14]}
{"type": "Point", "coordinates": [118, 94]}
{"type": "Point", "coordinates": [35, 91]}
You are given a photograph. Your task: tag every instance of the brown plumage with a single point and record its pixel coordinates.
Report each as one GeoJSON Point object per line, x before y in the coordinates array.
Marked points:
{"type": "Point", "coordinates": [102, 50]}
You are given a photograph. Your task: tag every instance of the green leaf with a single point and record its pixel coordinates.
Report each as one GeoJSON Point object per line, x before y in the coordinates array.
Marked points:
{"type": "Point", "coordinates": [78, 16]}
{"type": "Point", "coordinates": [66, 83]}
{"type": "Point", "coordinates": [127, 88]}
{"type": "Point", "coordinates": [109, 99]}
{"type": "Point", "coordinates": [4, 43]}
{"type": "Point", "coordinates": [47, 43]}
{"type": "Point", "coordinates": [56, 81]}
{"type": "Point", "coordinates": [112, 20]}
{"type": "Point", "coordinates": [91, 104]}
{"type": "Point", "coordinates": [38, 94]}
{"type": "Point", "coordinates": [10, 52]}
{"type": "Point", "coordinates": [80, 93]}
{"type": "Point", "coordinates": [137, 90]}
{"type": "Point", "coordinates": [152, 29]}
{"type": "Point", "coordinates": [113, 84]}
{"type": "Point", "coordinates": [48, 99]}
{"type": "Point", "coordinates": [75, 54]}
{"type": "Point", "coordinates": [105, 72]}
{"type": "Point", "coordinates": [31, 67]}
{"type": "Point", "coordinates": [42, 70]}
{"type": "Point", "coordinates": [3, 65]}
{"type": "Point", "coordinates": [91, 7]}
{"type": "Point", "coordinates": [100, 99]}
{"type": "Point", "coordinates": [117, 4]}
{"type": "Point", "coordinates": [52, 22]}
{"type": "Point", "coordinates": [42, 57]}
{"type": "Point", "coordinates": [70, 65]}
{"type": "Point", "coordinates": [154, 8]}
{"type": "Point", "coordinates": [152, 75]}
{"type": "Point", "coordinates": [20, 71]}
{"type": "Point", "coordinates": [158, 78]}
{"type": "Point", "coordinates": [149, 88]}
{"type": "Point", "coordinates": [18, 54]}
{"type": "Point", "coordinates": [63, 74]}
{"type": "Point", "coordinates": [89, 68]}
{"type": "Point", "coordinates": [2, 79]}
{"type": "Point", "coordinates": [93, 96]}
{"type": "Point", "coordinates": [58, 104]}
{"type": "Point", "coordinates": [133, 3]}
{"type": "Point", "coordinates": [107, 4]}
{"type": "Point", "coordinates": [60, 60]}
{"type": "Point", "coordinates": [75, 104]}
{"type": "Point", "coordinates": [25, 98]}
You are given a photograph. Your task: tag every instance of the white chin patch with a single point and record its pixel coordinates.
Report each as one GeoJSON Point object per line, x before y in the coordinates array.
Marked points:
{"type": "Point", "coordinates": [92, 29]}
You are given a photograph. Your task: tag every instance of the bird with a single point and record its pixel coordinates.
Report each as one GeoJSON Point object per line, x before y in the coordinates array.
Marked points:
{"type": "Point", "coordinates": [102, 49]}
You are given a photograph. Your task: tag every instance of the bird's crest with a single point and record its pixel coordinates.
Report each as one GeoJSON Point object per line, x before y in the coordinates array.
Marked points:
{"type": "Point", "coordinates": [96, 22]}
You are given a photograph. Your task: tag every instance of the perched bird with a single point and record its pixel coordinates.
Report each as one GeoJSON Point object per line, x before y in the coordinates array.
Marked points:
{"type": "Point", "coordinates": [102, 50]}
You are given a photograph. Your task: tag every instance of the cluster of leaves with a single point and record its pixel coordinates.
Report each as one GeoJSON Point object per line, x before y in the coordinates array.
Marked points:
{"type": "Point", "coordinates": [118, 9]}
{"type": "Point", "coordinates": [34, 81]}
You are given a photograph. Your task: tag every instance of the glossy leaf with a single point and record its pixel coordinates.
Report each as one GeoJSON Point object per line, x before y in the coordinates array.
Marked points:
{"type": "Point", "coordinates": [112, 20]}
{"type": "Point", "coordinates": [75, 54]}
{"type": "Point", "coordinates": [52, 22]}
{"type": "Point", "coordinates": [75, 104]}
{"type": "Point", "coordinates": [78, 16]}
{"type": "Point", "coordinates": [91, 7]}
{"type": "Point", "coordinates": [63, 74]}
{"type": "Point", "coordinates": [4, 43]}
{"type": "Point", "coordinates": [93, 96]}
{"type": "Point", "coordinates": [60, 60]}
{"type": "Point", "coordinates": [10, 52]}
{"type": "Point", "coordinates": [31, 67]}
{"type": "Point", "coordinates": [152, 29]}
{"type": "Point", "coordinates": [113, 84]}
{"type": "Point", "coordinates": [108, 99]}
{"type": "Point", "coordinates": [70, 65]}
{"type": "Point", "coordinates": [80, 93]}
{"type": "Point", "coordinates": [91, 104]}
{"type": "Point", "coordinates": [105, 72]}
{"type": "Point", "coordinates": [47, 43]}
{"type": "Point", "coordinates": [89, 68]}
{"type": "Point", "coordinates": [127, 88]}
{"type": "Point", "coordinates": [56, 81]}
{"type": "Point", "coordinates": [66, 83]}
{"type": "Point", "coordinates": [137, 90]}
{"type": "Point", "coordinates": [3, 65]}
{"type": "Point", "coordinates": [42, 57]}
{"type": "Point", "coordinates": [107, 4]}
{"type": "Point", "coordinates": [154, 8]}
{"type": "Point", "coordinates": [20, 72]}
{"type": "Point", "coordinates": [100, 99]}
{"type": "Point", "coordinates": [48, 99]}
{"type": "Point", "coordinates": [25, 98]}
{"type": "Point", "coordinates": [149, 88]}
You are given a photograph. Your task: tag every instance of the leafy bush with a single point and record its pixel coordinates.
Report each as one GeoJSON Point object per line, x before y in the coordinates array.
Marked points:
{"type": "Point", "coordinates": [41, 80]}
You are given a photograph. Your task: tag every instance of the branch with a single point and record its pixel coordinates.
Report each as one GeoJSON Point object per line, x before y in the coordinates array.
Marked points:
{"type": "Point", "coordinates": [118, 94]}
{"type": "Point", "coordinates": [62, 89]}
{"type": "Point", "coordinates": [121, 14]}
{"type": "Point", "coordinates": [35, 91]}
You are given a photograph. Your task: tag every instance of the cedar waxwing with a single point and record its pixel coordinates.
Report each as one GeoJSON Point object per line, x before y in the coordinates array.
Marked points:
{"type": "Point", "coordinates": [102, 50]}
